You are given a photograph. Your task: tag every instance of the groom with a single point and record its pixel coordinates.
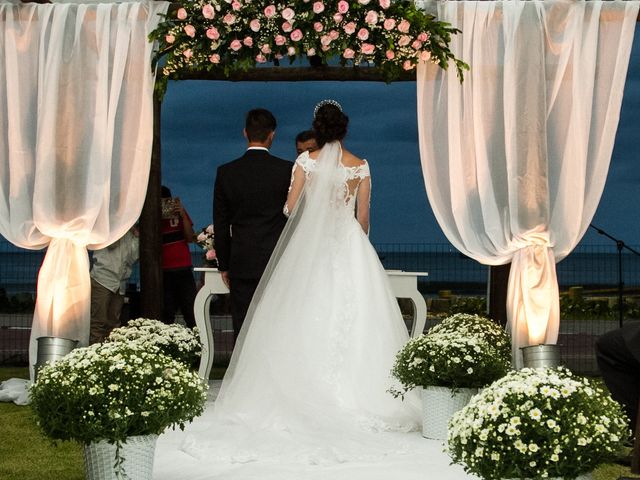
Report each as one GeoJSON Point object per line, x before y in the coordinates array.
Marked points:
{"type": "Point", "coordinates": [248, 199]}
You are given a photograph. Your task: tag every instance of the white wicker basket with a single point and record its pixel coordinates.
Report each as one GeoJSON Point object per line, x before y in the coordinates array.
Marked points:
{"type": "Point", "coordinates": [137, 453]}
{"type": "Point", "coordinates": [438, 406]}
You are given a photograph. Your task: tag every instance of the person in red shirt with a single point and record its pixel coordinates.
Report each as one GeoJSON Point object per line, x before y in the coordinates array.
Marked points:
{"type": "Point", "coordinates": [177, 276]}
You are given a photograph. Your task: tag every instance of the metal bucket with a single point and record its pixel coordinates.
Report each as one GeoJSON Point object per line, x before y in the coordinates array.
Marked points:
{"type": "Point", "coordinates": [541, 356]}
{"type": "Point", "coordinates": [52, 349]}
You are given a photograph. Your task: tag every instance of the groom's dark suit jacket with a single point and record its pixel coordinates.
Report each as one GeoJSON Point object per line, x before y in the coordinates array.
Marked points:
{"type": "Point", "coordinates": [249, 195]}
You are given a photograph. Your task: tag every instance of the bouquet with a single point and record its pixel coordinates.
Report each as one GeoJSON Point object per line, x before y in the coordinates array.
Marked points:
{"type": "Point", "coordinates": [537, 423]}
{"type": "Point", "coordinates": [112, 391]}
{"type": "Point", "coordinates": [206, 240]}
{"type": "Point", "coordinates": [178, 342]}
{"type": "Point", "coordinates": [449, 359]}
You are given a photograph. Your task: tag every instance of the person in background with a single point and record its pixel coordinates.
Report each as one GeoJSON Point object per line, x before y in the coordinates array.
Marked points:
{"type": "Point", "coordinates": [306, 142]}
{"type": "Point", "coordinates": [618, 356]}
{"type": "Point", "coordinates": [112, 267]}
{"type": "Point", "coordinates": [178, 283]}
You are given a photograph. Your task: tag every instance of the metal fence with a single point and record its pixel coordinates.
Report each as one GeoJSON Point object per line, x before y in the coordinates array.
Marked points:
{"type": "Point", "coordinates": [453, 281]}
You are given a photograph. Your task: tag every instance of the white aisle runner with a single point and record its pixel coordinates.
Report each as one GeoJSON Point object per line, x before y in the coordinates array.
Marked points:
{"type": "Point", "coordinates": [429, 462]}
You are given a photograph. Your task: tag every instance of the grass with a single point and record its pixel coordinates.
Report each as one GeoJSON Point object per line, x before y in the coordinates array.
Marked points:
{"type": "Point", "coordinates": [26, 454]}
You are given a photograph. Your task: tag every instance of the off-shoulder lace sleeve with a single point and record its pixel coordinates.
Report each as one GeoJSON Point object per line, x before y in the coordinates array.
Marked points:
{"type": "Point", "coordinates": [363, 196]}
{"type": "Point", "coordinates": [300, 172]}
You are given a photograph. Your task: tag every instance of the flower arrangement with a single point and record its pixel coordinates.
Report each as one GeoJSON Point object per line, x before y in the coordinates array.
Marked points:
{"type": "Point", "coordinates": [238, 34]}
{"type": "Point", "coordinates": [178, 342]}
{"type": "Point", "coordinates": [537, 423]}
{"type": "Point", "coordinates": [112, 391]}
{"type": "Point", "coordinates": [476, 326]}
{"type": "Point", "coordinates": [448, 359]}
{"type": "Point", "coordinates": [206, 239]}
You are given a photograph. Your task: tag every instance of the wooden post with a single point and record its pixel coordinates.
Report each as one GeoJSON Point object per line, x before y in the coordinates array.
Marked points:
{"type": "Point", "coordinates": [150, 237]}
{"type": "Point", "coordinates": [497, 297]}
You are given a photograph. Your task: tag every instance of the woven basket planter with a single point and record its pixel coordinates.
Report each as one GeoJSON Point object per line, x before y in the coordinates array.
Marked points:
{"type": "Point", "coordinates": [137, 452]}
{"type": "Point", "coordinates": [438, 406]}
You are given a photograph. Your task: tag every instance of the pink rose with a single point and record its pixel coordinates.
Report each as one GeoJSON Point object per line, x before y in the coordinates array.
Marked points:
{"type": "Point", "coordinates": [287, 27]}
{"type": "Point", "coordinates": [416, 45]}
{"type": "Point", "coordinates": [324, 48]}
{"type": "Point", "coordinates": [407, 65]}
{"type": "Point", "coordinates": [208, 11]}
{"type": "Point", "coordinates": [288, 13]}
{"type": "Point", "coordinates": [311, 52]}
{"type": "Point", "coordinates": [343, 7]}
{"type": "Point", "coordinates": [181, 14]}
{"type": "Point", "coordinates": [333, 34]}
{"type": "Point", "coordinates": [254, 25]}
{"type": "Point", "coordinates": [210, 255]}
{"type": "Point", "coordinates": [190, 30]}
{"type": "Point", "coordinates": [349, 28]}
{"type": "Point", "coordinates": [229, 18]}
{"type": "Point", "coordinates": [404, 40]}
{"type": "Point", "coordinates": [389, 24]}
{"type": "Point", "coordinates": [423, 37]}
{"type": "Point", "coordinates": [403, 26]}
{"type": "Point", "coordinates": [260, 59]}
{"type": "Point", "coordinates": [235, 45]}
{"type": "Point", "coordinates": [384, 4]}
{"type": "Point", "coordinates": [270, 11]}
{"type": "Point", "coordinates": [248, 41]}
{"type": "Point", "coordinates": [364, 2]}
{"type": "Point", "coordinates": [363, 34]}
{"type": "Point", "coordinates": [209, 228]}
{"type": "Point", "coordinates": [325, 40]}
{"type": "Point", "coordinates": [169, 38]}
{"type": "Point", "coordinates": [291, 51]}
{"type": "Point", "coordinates": [425, 55]}
{"type": "Point", "coordinates": [318, 7]}
{"type": "Point", "coordinates": [390, 55]}
{"type": "Point", "coordinates": [215, 58]}
{"type": "Point", "coordinates": [266, 49]}
{"type": "Point", "coordinates": [279, 56]}
{"type": "Point", "coordinates": [318, 27]}
{"type": "Point", "coordinates": [348, 53]}
{"type": "Point", "coordinates": [296, 35]}
{"type": "Point", "coordinates": [337, 17]}
{"type": "Point", "coordinates": [367, 48]}
{"type": "Point", "coordinates": [236, 5]}
{"type": "Point", "coordinates": [371, 18]}
{"type": "Point", "coordinates": [187, 53]}
{"type": "Point", "coordinates": [213, 34]}
{"type": "Point", "coordinates": [280, 40]}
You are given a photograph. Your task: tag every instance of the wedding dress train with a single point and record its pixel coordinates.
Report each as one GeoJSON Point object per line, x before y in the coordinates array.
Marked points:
{"type": "Point", "coordinates": [309, 378]}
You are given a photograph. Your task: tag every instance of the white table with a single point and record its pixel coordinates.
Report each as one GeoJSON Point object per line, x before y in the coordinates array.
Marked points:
{"type": "Point", "coordinates": [403, 284]}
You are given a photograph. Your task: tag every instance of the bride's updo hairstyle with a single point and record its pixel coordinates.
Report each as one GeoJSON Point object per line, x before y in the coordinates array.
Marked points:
{"type": "Point", "coordinates": [329, 122]}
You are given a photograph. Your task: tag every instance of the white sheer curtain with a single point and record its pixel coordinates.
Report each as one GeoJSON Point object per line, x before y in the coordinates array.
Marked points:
{"type": "Point", "coordinates": [76, 129]}
{"type": "Point", "coordinates": [515, 159]}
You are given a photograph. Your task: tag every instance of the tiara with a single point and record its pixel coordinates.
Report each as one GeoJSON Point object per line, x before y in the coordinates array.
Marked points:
{"type": "Point", "coordinates": [326, 102]}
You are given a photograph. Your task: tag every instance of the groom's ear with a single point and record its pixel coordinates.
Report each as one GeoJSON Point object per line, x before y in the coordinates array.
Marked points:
{"type": "Point", "coordinates": [244, 133]}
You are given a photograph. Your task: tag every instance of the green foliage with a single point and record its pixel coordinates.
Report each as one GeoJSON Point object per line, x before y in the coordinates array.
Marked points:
{"type": "Point", "coordinates": [229, 36]}
{"type": "Point", "coordinates": [179, 342]}
{"type": "Point", "coordinates": [537, 423]}
{"type": "Point", "coordinates": [470, 305]}
{"type": "Point", "coordinates": [112, 391]}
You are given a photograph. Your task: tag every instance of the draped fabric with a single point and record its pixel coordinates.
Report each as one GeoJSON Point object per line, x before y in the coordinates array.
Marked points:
{"type": "Point", "coordinates": [516, 157]}
{"type": "Point", "coordinates": [76, 130]}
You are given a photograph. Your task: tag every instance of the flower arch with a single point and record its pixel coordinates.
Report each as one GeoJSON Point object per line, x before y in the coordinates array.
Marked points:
{"type": "Point", "coordinates": [232, 35]}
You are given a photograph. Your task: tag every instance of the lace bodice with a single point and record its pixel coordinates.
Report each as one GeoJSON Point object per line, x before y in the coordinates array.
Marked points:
{"type": "Point", "coordinates": [347, 179]}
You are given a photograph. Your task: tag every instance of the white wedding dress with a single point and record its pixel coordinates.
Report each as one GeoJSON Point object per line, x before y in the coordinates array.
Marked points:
{"type": "Point", "coordinates": [309, 378]}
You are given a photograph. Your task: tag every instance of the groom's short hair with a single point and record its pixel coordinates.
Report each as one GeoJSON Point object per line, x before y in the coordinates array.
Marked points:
{"type": "Point", "coordinates": [259, 124]}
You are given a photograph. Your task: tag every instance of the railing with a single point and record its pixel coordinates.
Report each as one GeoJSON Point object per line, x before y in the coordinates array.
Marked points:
{"type": "Point", "coordinates": [451, 275]}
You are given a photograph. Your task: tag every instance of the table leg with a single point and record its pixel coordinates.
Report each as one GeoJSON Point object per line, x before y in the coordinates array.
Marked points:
{"type": "Point", "coordinates": [203, 322]}
{"type": "Point", "coordinates": [420, 314]}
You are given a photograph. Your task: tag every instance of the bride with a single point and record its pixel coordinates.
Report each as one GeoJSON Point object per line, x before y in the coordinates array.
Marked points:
{"type": "Point", "coordinates": [310, 374]}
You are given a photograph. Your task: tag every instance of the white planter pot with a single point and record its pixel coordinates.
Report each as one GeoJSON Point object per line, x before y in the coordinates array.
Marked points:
{"type": "Point", "coordinates": [137, 453]}
{"type": "Point", "coordinates": [438, 405]}
{"type": "Point", "coordinates": [584, 476]}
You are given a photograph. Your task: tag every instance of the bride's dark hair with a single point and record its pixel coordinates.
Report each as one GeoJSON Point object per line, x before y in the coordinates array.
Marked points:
{"type": "Point", "coordinates": [330, 124]}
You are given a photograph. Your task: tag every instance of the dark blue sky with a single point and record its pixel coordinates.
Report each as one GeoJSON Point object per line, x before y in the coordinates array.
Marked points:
{"type": "Point", "coordinates": [202, 125]}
